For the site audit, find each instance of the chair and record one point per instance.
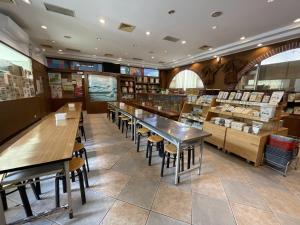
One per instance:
(75, 165)
(79, 150)
(169, 150)
(141, 132)
(154, 139)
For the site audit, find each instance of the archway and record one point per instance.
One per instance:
(186, 79)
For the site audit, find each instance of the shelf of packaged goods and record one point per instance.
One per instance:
(198, 104)
(243, 116)
(232, 102)
(200, 119)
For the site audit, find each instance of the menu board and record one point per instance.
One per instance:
(16, 79)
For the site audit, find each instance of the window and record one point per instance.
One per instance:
(186, 79)
(281, 71)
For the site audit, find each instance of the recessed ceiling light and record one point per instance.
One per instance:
(44, 27)
(96, 48)
(214, 27)
(259, 45)
(183, 42)
(98, 38)
(210, 49)
(216, 13)
(53, 41)
(270, 1)
(215, 56)
(297, 20)
(243, 38)
(152, 57)
(171, 12)
(102, 21)
(148, 33)
(43, 50)
(27, 2)
(60, 50)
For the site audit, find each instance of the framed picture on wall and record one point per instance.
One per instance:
(102, 88)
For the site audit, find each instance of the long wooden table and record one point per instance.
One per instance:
(50, 142)
(175, 132)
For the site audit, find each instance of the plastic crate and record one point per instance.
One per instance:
(278, 152)
(284, 143)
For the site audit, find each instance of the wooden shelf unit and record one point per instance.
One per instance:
(127, 83)
(147, 84)
(247, 145)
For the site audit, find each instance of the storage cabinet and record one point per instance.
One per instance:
(218, 134)
(248, 146)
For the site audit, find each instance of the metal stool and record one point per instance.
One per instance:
(154, 139)
(79, 150)
(169, 150)
(144, 132)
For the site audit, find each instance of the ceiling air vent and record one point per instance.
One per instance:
(137, 59)
(204, 47)
(8, 1)
(72, 50)
(60, 10)
(216, 13)
(170, 38)
(46, 46)
(161, 62)
(108, 55)
(126, 27)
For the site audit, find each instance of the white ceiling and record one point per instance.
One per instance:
(258, 20)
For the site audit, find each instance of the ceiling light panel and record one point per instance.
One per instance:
(126, 27)
(170, 38)
(59, 10)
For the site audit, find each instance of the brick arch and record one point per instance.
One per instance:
(268, 54)
(182, 69)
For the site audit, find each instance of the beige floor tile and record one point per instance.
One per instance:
(111, 183)
(174, 202)
(123, 213)
(247, 215)
(208, 185)
(287, 220)
(105, 161)
(281, 201)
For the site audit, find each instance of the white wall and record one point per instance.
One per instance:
(14, 36)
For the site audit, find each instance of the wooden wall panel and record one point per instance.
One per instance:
(247, 56)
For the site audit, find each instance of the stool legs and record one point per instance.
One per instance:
(162, 165)
(82, 191)
(86, 160)
(168, 155)
(57, 197)
(4, 201)
(25, 201)
(138, 142)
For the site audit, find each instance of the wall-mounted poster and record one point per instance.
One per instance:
(16, 79)
(56, 91)
(102, 88)
(54, 78)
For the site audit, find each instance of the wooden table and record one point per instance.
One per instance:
(50, 142)
(175, 132)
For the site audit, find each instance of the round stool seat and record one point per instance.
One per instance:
(170, 148)
(155, 138)
(121, 116)
(125, 119)
(143, 130)
(130, 123)
(78, 147)
(75, 164)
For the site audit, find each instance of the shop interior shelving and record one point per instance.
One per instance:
(147, 84)
(127, 87)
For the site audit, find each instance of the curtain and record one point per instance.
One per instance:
(186, 79)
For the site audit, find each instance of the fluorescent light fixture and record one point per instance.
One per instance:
(27, 2)
(148, 33)
(243, 38)
(102, 21)
(297, 20)
(44, 27)
(183, 42)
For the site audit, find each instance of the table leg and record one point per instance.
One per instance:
(2, 216)
(133, 129)
(177, 164)
(68, 184)
(201, 155)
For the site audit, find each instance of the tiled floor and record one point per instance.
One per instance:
(125, 190)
